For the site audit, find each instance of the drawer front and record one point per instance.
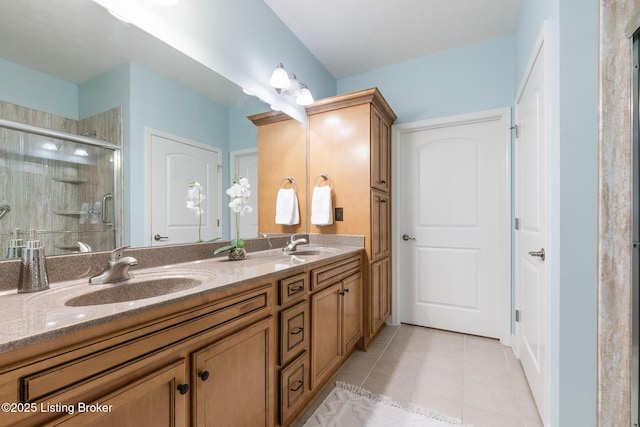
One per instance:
(294, 331)
(294, 380)
(332, 273)
(236, 309)
(293, 288)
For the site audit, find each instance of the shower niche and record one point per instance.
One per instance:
(64, 185)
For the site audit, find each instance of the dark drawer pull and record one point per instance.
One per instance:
(183, 388)
(296, 290)
(204, 375)
(300, 384)
(296, 331)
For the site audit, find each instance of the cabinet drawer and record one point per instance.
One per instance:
(294, 380)
(294, 331)
(331, 273)
(293, 288)
(236, 309)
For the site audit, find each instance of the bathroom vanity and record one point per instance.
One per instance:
(244, 343)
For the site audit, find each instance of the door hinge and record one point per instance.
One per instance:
(517, 315)
(516, 130)
(516, 223)
(218, 223)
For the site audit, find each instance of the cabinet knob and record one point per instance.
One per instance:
(383, 181)
(204, 375)
(183, 388)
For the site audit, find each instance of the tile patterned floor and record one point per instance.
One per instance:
(468, 377)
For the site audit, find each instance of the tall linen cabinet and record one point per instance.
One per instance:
(350, 142)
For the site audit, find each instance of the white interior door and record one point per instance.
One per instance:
(454, 257)
(245, 164)
(531, 195)
(173, 163)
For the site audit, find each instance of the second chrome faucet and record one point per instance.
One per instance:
(293, 243)
(117, 269)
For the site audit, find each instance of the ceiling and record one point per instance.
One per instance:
(354, 36)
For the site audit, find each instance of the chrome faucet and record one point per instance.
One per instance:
(293, 243)
(266, 236)
(117, 270)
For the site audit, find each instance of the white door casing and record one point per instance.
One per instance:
(244, 163)
(531, 209)
(453, 198)
(172, 162)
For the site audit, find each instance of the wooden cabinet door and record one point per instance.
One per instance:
(380, 304)
(380, 225)
(152, 401)
(351, 311)
(326, 347)
(380, 151)
(231, 380)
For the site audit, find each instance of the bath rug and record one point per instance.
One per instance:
(351, 406)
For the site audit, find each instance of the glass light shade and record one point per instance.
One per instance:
(280, 78)
(305, 97)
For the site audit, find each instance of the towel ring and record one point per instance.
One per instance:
(285, 179)
(323, 176)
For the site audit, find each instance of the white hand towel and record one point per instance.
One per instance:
(321, 209)
(287, 207)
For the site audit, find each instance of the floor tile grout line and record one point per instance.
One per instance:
(380, 356)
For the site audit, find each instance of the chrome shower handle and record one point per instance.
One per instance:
(106, 197)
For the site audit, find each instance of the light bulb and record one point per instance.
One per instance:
(280, 78)
(305, 97)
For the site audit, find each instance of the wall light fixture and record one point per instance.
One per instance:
(286, 84)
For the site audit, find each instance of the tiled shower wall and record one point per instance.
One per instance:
(49, 194)
(615, 215)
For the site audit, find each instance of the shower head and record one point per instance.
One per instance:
(4, 209)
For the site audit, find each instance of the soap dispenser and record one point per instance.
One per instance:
(33, 274)
(16, 245)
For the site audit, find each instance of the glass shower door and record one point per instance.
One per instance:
(63, 188)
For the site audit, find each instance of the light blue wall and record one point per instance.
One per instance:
(30, 88)
(578, 137)
(243, 134)
(470, 79)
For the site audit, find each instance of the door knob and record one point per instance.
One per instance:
(539, 254)
(158, 237)
(406, 237)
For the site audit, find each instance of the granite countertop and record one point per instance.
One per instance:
(36, 317)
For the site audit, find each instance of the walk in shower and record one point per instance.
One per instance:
(65, 186)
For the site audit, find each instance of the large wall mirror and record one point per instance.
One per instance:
(71, 59)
